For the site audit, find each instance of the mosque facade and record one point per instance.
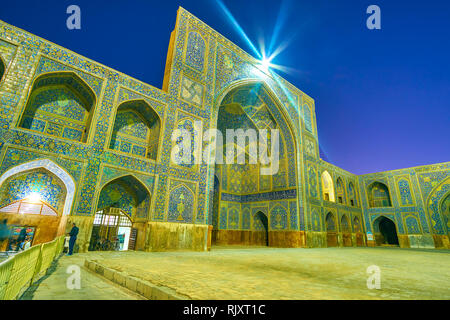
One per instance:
(83, 143)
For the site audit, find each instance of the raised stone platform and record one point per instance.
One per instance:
(140, 286)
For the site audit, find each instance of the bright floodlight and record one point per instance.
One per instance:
(265, 63)
(34, 197)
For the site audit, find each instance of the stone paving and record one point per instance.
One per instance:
(271, 273)
(54, 285)
(259, 273)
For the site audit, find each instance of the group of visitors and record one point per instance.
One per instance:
(23, 241)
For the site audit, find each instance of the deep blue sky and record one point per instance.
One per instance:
(382, 97)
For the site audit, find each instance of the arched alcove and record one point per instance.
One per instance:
(54, 169)
(37, 192)
(346, 231)
(260, 219)
(60, 104)
(37, 195)
(378, 195)
(340, 191)
(216, 206)
(136, 129)
(445, 211)
(128, 194)
(358, 232)
(438, 211)
(330, 223)
(352, 195)
(250, 110)
(2, 69)
(327, 187)
(356, 224)
(385, 231)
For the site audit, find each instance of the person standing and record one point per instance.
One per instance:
(27, 244)
(21, 238)
(4, 234)
(73, 237)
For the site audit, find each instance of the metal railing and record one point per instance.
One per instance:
(21, 270)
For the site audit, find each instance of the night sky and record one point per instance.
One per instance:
(382, 96)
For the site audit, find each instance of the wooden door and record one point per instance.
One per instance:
(132, 241)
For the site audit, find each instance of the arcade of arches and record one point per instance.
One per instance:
(84, 143)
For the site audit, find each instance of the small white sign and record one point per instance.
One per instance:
(369, 236)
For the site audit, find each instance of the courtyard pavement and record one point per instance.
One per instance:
(53, 286)
(273, 273)
(263, 273)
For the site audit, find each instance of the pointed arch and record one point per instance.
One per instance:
(378, 195)
(251, 104)
(215, 204)
(445, 211)
(385, 231)
(60, 104)
(330, 222)
(327, 187)
(356, 224)
(195, 50)
(357, 229)
(434, 203)
(240, 83)
(261, 223)
(127, 193)
(278, 217)
(223, 97)
(352, 194)
(308, 118)
(181, 204)
(136, 129)
(52, 167)
(345, 226)
(2, 68)
(346, 231)
(340, 193)
(330, 225)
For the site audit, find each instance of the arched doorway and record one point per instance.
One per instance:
(36, 196)
(358, 233)
(125, 202)
(261, 224)
(111, 231)
(346, 234)
(385, 231)
(215, 210)
(331, 230)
